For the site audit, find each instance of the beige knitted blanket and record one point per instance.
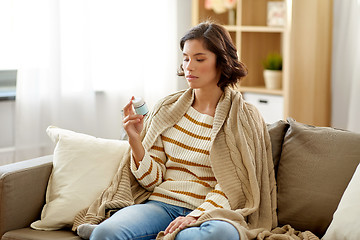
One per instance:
(241, 160)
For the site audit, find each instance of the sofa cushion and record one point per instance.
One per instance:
(346, 217)
(315, 167)
(277, 132)
(83, 167)
(30, 234)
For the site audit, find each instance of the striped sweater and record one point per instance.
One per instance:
(240, 159)
(177, 168)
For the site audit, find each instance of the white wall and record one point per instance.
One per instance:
(184, 24)
(7, 117)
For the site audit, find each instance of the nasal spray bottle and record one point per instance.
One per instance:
(140, 106)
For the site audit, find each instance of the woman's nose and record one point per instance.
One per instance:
(190, 65)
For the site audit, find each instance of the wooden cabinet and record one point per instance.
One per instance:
(304, 43)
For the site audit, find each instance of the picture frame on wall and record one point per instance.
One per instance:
(276, 13)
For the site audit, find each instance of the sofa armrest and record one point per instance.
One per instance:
(22, 192)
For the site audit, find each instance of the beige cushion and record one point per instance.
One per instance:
(315, 167)
(345, 223)
(83, 167)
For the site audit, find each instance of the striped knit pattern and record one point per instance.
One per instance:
(184, 151)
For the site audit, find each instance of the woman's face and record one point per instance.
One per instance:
(199, 65)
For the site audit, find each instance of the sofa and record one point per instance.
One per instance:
(313, 167)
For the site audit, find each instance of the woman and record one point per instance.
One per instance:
(188, 157)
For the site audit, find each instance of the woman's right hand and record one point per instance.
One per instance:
(133, 123)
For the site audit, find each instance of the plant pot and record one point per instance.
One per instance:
(273, 79)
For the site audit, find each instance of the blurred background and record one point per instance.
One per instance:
(76, 63)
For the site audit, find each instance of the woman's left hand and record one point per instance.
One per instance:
(179, 222)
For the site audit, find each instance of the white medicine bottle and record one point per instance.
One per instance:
(140, 106)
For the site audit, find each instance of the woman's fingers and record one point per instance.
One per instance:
(133, 119)
(179, 222)
(133, 125)
(172, 227)
(128, 109)
(187, 222)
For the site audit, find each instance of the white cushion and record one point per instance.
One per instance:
(346, 223)
(83, 166)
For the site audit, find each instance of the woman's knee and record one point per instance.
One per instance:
(104, 232)
(210, 230)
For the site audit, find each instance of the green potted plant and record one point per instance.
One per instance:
(273, 71)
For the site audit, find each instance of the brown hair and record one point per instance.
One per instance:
(217, 40)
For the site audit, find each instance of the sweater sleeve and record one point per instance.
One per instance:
(214, 199)
(152, 168)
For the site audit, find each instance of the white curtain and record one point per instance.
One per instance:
(346, 65)
(80, 61)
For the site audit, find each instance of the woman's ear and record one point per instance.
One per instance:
(180, 71)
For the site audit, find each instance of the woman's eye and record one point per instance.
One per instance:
(185, 59)
(200, 60)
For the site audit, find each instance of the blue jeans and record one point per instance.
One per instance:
(145, 221)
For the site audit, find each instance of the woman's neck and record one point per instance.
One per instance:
(205, 101)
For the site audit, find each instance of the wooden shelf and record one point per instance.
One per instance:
(304, 43)
(261, 90)
(264, 29)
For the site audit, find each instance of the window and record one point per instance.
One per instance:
(8, 84)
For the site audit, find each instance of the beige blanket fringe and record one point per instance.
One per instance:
(242, 163)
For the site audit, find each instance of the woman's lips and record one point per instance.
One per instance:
(191, 77)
